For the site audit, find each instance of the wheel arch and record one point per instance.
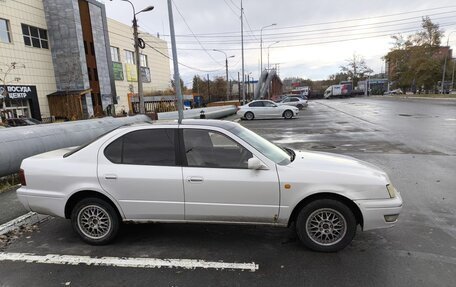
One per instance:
(77, 196)
(249, 112)
(287, 110)
(327, 195)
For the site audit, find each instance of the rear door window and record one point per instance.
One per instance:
(144, 147)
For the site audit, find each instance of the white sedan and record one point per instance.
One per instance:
(266, 109)
(207, 171)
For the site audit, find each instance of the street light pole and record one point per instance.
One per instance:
(261, 44)
(142, 109)
(276, 42)
(444, 64)
(226, 66)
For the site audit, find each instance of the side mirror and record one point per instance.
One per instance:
(254, 163)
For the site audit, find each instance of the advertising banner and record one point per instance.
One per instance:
(132, 75)
(118, 71)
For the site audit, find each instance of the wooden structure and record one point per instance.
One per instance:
(67, 104)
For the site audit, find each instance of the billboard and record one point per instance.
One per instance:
(118, 71)
(132, 75)
(145, 74)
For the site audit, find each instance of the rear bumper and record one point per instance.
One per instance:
(374, 211)
(41, 204)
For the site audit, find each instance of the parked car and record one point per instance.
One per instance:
(266, 109)
(207, 171)
(18, 122)
(298, 102)
(394, 92)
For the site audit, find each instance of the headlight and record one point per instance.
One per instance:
(391, 190)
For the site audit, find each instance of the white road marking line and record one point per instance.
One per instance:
(237, 120)
(125, 261)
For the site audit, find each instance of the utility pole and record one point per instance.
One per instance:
(208, 89)
(239, 87)
(452, 77)
(138, 58)
(242, 47)
(226, 66)
(142, 109)
(444, 65)
(180, 104)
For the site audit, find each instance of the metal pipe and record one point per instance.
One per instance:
(19, 143)
(180, 103)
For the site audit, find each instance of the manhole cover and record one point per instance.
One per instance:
(405, 115)
(323, 146)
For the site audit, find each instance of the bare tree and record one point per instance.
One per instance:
(356, 68)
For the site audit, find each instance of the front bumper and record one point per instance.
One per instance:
(375, 210)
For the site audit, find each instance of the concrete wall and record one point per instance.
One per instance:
(39, 70)
(121, 36)
(67, 45)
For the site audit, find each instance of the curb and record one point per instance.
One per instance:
(29, 218)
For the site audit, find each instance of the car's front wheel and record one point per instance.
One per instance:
(288, 114)
(326, 225)
(300, 106)
(95, 221)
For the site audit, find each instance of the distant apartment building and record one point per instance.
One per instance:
(71, 61)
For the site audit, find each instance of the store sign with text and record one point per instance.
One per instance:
(17, 92)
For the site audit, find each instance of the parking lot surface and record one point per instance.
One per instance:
(412, 140)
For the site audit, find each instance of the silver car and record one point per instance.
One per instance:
(293, 101)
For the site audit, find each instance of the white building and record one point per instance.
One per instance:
(71, 61)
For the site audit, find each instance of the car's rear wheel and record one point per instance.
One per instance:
(249, 116)
(288, 114)
(326, 225)
(95, 221)
(300, 106)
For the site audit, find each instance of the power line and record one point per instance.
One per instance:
(294, 39)
(248, 25)
(232, 10)
(185, 21)
(333, 22)
(180, 63)
(324, 42)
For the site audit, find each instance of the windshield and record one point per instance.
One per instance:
(265, 147)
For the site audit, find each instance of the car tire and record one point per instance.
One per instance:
(249, 116)
(318, 221)
(86, 217)
(288, 114)
(300, 107)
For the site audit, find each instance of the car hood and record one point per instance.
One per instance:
(336, 168)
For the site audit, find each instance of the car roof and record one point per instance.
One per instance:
(227, 125)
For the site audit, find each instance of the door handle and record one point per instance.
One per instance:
(110, 176)
(195, 179)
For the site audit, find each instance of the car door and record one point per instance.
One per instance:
(272, 110)
(142, 171)
(217, 183)
(257, 109)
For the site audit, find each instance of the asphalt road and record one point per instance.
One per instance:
(413, 140)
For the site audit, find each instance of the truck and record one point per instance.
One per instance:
(341, 90)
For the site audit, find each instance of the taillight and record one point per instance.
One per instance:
(22, 177)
